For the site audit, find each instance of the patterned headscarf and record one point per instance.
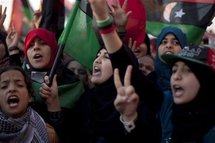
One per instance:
(46, 36)
(28, 128)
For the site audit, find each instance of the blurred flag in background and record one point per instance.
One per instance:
(192, 16)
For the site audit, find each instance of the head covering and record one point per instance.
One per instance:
(180, 36)
(193, 55)
(46, 36)
(192, 120)
(28, 128)
(163, 71)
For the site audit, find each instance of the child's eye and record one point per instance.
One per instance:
(42, 42)
(3, 86)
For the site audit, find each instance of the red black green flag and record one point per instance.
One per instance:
(192, 16)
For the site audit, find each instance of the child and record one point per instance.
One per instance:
(18, 121)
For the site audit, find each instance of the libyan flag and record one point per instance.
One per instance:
(79, 37)
(192, 16)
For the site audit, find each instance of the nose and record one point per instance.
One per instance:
(176, 75)
(98, 59)
(169, 45)
(36, 46)
(12, 87)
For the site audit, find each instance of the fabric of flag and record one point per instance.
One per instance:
(68, 93)
(79, 37)
(53, 16)
(17, 16)
(191, 16)
(21, 17)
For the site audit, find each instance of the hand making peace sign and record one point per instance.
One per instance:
(127, 99)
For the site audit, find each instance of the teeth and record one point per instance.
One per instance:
(168, 53)
(96, 68)
(13, 99)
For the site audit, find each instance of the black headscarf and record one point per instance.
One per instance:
(192, 121)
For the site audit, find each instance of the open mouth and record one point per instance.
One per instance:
(169, 52)
(37, 56)
(178, 90)
(96, 70)
(13, 100)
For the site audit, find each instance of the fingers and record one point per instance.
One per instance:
(128, 13)
(45, 89)
(5, 9)
(130, 42)
(117, 80)
(2, 15)
(124, 4)
(46, 80)
(54, 81)
(117, 3)
(127, 78)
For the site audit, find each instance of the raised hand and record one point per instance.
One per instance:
(120, 15)
(127, 100)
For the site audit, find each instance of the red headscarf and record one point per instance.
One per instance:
(46, 36)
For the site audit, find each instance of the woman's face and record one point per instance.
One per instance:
(169, 45)
(140, 51)
(146, 64)
(14, 95)
(102, 68)
(39, 54)
(184, 84)
(79, 70)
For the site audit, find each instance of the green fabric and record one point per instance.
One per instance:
(68, 93)
(194, 34)
(79, 38)
(28, 13)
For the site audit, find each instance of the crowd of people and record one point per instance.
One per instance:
(132, 95)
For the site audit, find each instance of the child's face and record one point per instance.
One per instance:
(14, 95)
(102, 68)
(39, 54)
(184, 84)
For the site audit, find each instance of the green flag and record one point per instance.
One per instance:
(68, 93)
(79, 38)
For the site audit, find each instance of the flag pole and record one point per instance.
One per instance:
(63, 38)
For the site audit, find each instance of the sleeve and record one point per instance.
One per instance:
(147, 126)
